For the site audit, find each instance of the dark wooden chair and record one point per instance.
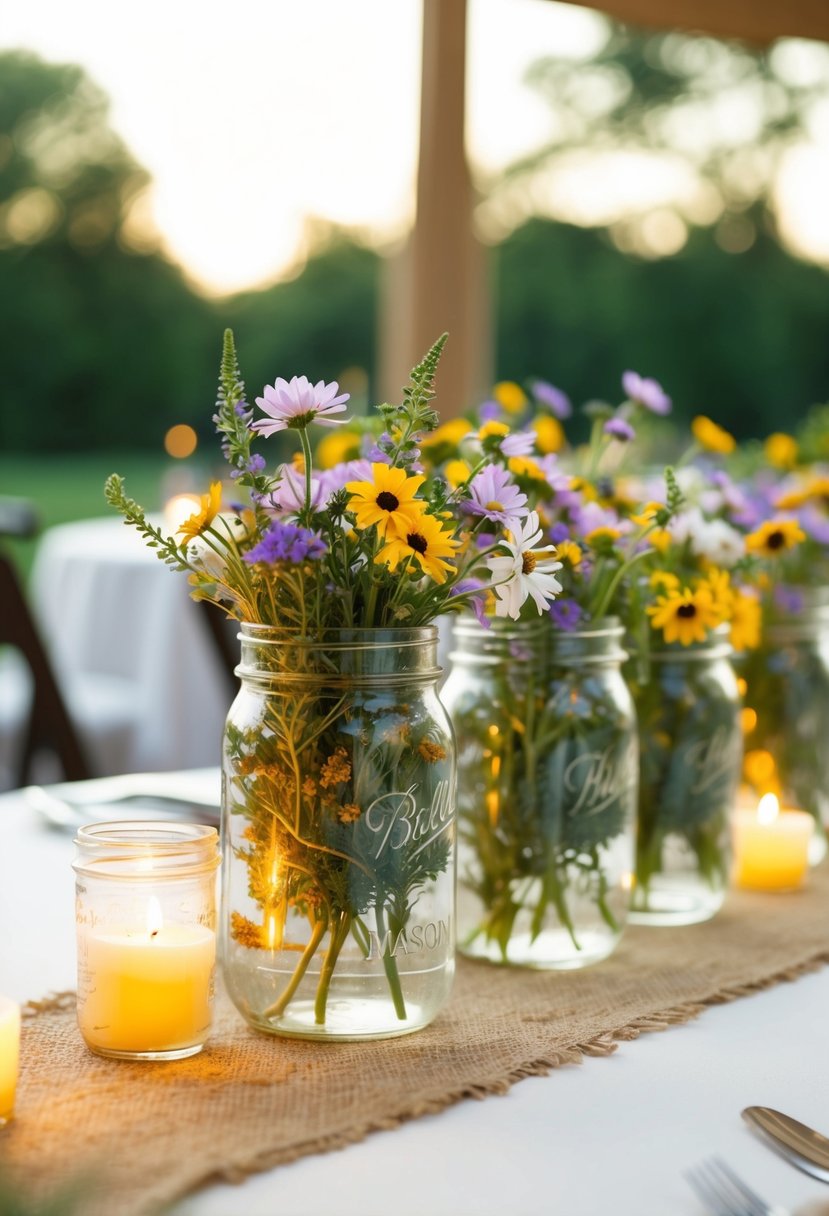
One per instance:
(49, 723)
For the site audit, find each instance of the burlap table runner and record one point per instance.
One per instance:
(142, 1135)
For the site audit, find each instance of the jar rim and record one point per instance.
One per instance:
(345, 638)
(183, 848)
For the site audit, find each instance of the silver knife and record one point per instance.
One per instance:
(800, 1145)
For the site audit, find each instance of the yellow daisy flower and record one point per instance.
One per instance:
(663, 580)
(775, 536)
(780, 450)
(721, 591)
(549, 434)
(569, 552)
(793, 500)
(456, 473)
(451, 432)
(746, 616)
(500, 429)
(646, 514)
(525, 466)
(602, 536)
(421, 539)
(510, 396)
(388, 498)
(685, 615)
(587, 490)
(337, 447)
(203, 518)
(661, 539)
(712, 437)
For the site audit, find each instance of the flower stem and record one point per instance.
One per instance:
(278, 1007)
(339, 932)
(390, 966)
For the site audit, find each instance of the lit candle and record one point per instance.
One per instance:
(9, 1056)
(146, 991)
(771, 849)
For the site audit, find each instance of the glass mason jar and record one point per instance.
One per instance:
(547, 758)
(145, 911)
(787, 710)
(339, 834)
(690, 759)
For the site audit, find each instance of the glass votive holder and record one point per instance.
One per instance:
(9, 1056)
(145, 912)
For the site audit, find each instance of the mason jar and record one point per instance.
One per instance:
(145, 913)
(339, 834)
(688, 705)
(787, 710)
(547, 758)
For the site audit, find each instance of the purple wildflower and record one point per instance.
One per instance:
(566, 614)
(788, 599)
(484, 539)
(815, 524)
(477, 602)
(559, 532)
(241, 408)
(289, 495)
(493, 494)
(286, 543)
(489, 411)
(647, 393)
(618, 428)
(556, 401)
(297, 404)
(519, 443)
(256, 464)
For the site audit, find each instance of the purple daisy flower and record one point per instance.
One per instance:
(286, 543)
(556, 401)
(489, 411)
(296, 404)
(566, 614)
(647, 393)
(493, 494)
(519, 443)
(289, 495)
(477, 602)
(617, 428)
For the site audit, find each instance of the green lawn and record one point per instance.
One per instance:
(65, 488)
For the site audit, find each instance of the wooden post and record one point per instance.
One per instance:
(439, 282)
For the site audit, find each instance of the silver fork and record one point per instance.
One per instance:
(725, 1194)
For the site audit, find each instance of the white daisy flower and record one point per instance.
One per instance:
(527, 572)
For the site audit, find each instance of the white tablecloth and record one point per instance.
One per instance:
(608, 1138)
(122, 628)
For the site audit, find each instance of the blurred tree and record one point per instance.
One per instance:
(739, 336)
(714, 118)
(104, 341)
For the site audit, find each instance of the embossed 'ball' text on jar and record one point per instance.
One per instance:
(339, 834)
(688, 704)
(547, 762)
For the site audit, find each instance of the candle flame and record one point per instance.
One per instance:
(768, 809)
(155, 918)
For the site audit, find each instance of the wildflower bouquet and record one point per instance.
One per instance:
(786, 672)
(339, 773)
(545, 725)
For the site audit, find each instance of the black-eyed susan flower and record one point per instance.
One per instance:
(685, 615)
(389, 498)
(207, 512)
(421, 540)
(774, 537)
(712, 437)
(746, 617)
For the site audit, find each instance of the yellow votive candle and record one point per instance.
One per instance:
(771, 849)
(9, 1056)
(146, 992)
